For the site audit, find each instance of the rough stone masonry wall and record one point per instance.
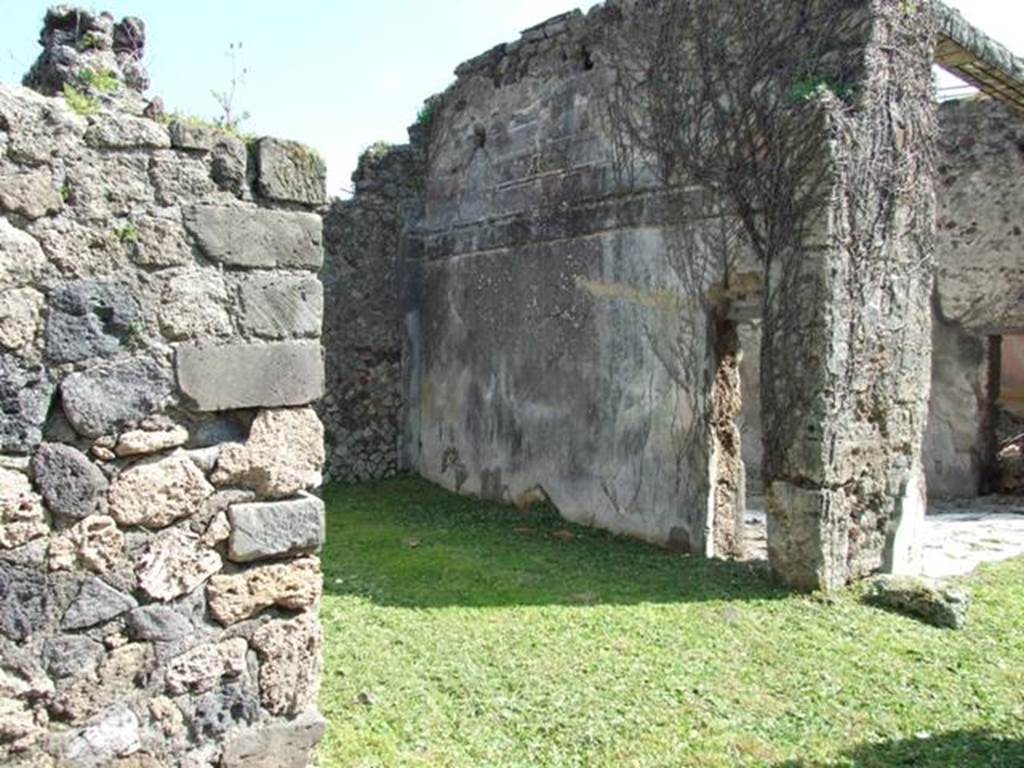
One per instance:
(845, 399)
(362, 236)
(979, 287)
(979, 291)
(552, 348)
(159, 347)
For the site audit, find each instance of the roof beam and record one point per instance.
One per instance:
(978, 59)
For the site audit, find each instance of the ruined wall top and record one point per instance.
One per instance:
(90, 53)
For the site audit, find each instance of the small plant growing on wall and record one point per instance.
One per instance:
(128, 233)
(230, 118)
(100, 80)
(82, 103)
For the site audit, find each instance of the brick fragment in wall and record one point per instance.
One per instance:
(266, 530)
(257, 238)
(289, 172)
(233, 376)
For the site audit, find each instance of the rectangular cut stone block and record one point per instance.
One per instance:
(267, 530)
(257, 238)
(276, 306)
(280, 745)
(226, 377)
(289, 172)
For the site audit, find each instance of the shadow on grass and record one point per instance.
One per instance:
(958, 749)
(405, 542)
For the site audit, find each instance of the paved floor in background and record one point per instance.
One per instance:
(960, 534)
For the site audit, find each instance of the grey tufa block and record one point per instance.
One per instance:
(257, 238)
(275, 529)
(97, 602)
(232, 376)
(290, 172)
(279, 745)
(158, 623)
(276, 306)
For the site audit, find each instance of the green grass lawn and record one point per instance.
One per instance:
(461, 633)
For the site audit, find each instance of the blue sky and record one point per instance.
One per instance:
(336, 74)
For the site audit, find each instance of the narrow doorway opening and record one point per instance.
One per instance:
(738, 494)
(1009, 415)
(755, 512)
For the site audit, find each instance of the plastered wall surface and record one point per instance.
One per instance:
(553, 349)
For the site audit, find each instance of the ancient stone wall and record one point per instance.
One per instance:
(362, 236)
(979, 288)
(980, 278)
(160, 347)
(553, 348)
(980, 258)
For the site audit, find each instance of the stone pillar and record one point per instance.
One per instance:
(159, 352)
(847, 328)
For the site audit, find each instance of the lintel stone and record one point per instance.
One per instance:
(232, 376)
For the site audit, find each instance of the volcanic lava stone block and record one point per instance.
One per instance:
(89, 319)
(70, 484)
(23, 601)
(104, 399)
(25, 394)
